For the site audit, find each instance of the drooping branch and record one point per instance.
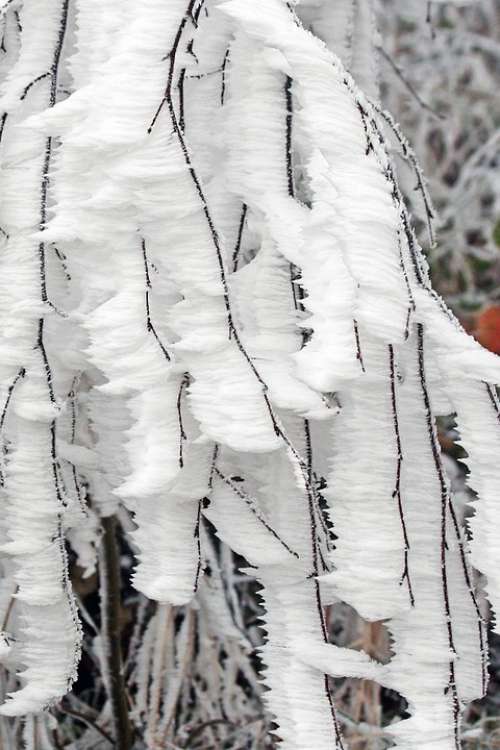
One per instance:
(149, 324)
(254, 507)
(397, 490)
(433, 440)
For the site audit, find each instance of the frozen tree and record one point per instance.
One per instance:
(218, 330)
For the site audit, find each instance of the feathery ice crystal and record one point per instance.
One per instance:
(213, 305)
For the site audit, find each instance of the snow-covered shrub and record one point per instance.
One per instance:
(218, 327)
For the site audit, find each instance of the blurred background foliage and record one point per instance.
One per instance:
(440, 77)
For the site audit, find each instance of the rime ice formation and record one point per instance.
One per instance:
(207, 269)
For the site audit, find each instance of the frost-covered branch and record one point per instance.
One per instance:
(220, 329)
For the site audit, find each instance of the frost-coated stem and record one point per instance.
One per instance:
(109, 577)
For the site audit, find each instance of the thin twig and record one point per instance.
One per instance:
(253, 506)
(86, 720)
(431, 429)
(149, 323)
(397, 490)
(408, 84)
